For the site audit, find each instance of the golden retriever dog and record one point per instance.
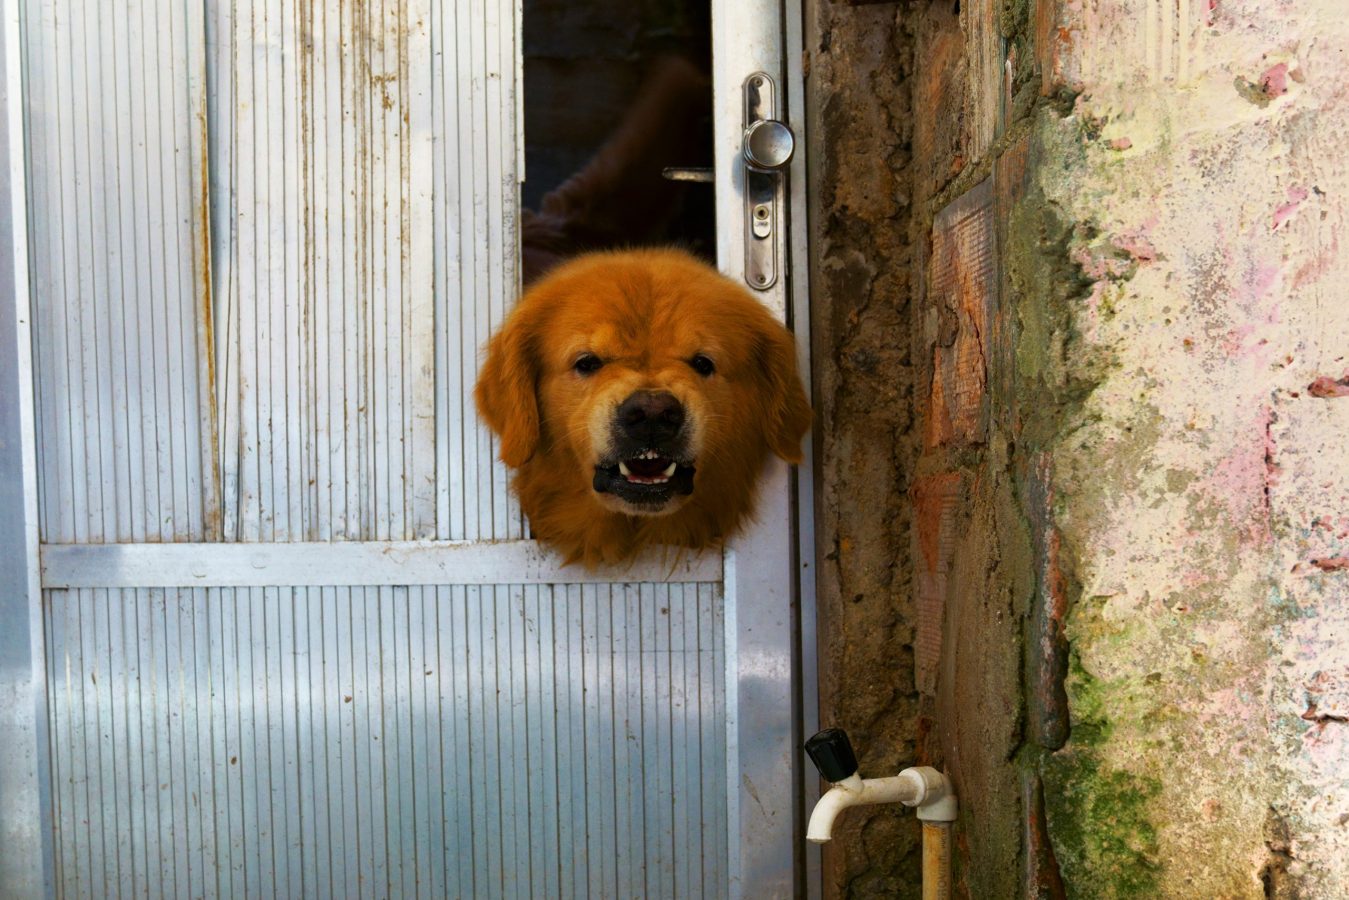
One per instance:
(638, 395)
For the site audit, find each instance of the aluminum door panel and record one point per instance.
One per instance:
(269, 243)
(399, 741)
(365, 167)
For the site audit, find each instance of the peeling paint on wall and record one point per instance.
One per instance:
(1210, 636)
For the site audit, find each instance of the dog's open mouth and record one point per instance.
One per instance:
(648, 478)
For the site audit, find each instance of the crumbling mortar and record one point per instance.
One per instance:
(1013, 17)
(971, 175)
(1274, 874)
(861, 298)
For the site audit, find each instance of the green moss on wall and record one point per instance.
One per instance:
(1100, 817)
(1100, 820)
(1048, 288)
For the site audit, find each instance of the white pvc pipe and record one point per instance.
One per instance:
(855, 791)
(920, 786)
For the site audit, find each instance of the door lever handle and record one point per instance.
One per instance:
(682, 173)
(769, 145)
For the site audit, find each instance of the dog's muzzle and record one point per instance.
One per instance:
(650, 461)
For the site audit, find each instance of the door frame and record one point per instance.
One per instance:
(772, 683)
(26, 865)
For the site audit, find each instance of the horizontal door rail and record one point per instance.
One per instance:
(353, 563)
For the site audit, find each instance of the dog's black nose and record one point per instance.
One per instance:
(650, 417)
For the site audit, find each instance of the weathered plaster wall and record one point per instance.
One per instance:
(1201, 489)
(1109, 549)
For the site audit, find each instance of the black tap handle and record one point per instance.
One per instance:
(832, 754)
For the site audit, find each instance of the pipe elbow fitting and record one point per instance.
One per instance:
(935, 795)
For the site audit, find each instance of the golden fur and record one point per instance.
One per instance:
(645, 314)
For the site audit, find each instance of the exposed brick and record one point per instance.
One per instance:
(1326, 387)
(1051, 41)
(936, 499)
(939, 88)
(1331, 563)
(962, 285)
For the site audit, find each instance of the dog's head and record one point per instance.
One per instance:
(639, 381)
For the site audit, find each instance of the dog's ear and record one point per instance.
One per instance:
(506, 387)
(788, 411)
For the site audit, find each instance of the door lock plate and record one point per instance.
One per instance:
(768, 148)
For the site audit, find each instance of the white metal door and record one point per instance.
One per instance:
(289, 638)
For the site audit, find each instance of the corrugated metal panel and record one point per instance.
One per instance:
(365, 174)
(116, 167)
(322, 137)
(472, 742)
(476, 109)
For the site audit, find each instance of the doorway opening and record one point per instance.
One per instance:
(615, 93)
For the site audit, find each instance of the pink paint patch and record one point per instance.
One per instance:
(1195, 578)
(1236, 717)
(1321, 263)
(1285, 212)
(1240, 480)
(1275, 81)
(1138, 246)
(1121, 143)
(1236, 339)
(1338, 527)
(1327, 388)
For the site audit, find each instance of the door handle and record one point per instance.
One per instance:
(769, 145)
(767, 149)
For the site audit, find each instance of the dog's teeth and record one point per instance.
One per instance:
(623, 468)
(669, 470)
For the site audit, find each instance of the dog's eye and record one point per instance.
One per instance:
(702, 365)
(588, 364)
